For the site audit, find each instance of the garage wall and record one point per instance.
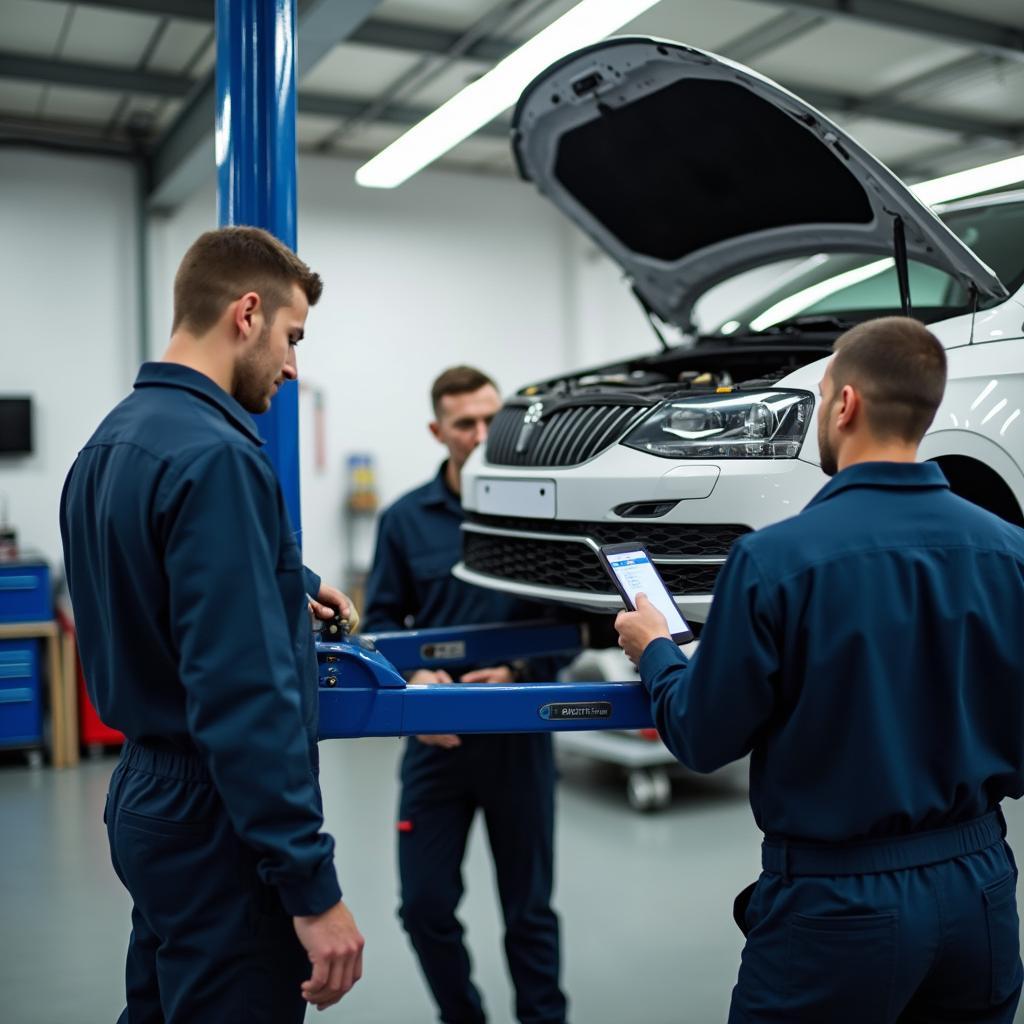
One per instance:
(69, 339)
(449, 268)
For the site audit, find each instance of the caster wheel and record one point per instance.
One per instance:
(640, 790)
(662, 788)
(34, 758)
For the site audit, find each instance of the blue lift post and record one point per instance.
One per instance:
(362, 692)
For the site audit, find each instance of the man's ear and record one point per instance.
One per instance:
(848, 407)
(247, 315)
(435, 429)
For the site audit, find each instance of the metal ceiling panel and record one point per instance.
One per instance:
(77, 104)
(177, 46)
(1006, 12)
(855, 58)
(310, 129)
(117, 38)
(710, 26)
(169, 110)
(454, 15)
(204, 65)
(486, 154)
(447, 82)
(998, 96)
(32, 26)
(352, 69)
(21, 99)
(893, 143)
(368, 138)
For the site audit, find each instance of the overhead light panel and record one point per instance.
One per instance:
(971, 182)
(483, 100)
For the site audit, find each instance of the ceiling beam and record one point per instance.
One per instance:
(93, 76)
(886, 110)
(194, 10)
(959, 29)
(764, 38)
(65, 135)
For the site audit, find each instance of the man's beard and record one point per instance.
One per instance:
(251, 387)
(826, 453)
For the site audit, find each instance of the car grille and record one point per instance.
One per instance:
(661, 539)
(573, 565)
(564, 437)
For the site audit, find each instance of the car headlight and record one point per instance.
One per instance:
(735, 425)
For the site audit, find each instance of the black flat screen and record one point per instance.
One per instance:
(15, 426)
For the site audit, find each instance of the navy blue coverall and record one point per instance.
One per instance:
(510, 777)
(869, 653)
(193, 626)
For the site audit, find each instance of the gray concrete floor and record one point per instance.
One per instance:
(645, 900)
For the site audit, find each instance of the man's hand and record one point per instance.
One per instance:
(335, 950)
(445, 740)
(498, 674)
(637, 629)
(331, 601)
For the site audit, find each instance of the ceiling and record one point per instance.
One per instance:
(929, 86)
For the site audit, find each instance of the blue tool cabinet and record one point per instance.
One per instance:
(25, 597)
(21, 707)
(25, 591)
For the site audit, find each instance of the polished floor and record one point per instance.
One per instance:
(645, 900)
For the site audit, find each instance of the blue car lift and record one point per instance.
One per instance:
(362, 691)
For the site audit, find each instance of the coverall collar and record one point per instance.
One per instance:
(438, 493)
(174, 375)
(886, 475)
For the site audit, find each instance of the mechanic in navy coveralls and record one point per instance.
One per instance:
(446, 779)
(868, 654)
(190, 602)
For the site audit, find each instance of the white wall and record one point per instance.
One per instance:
(69, 338)
(449, 268)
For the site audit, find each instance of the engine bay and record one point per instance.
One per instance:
(705, 366)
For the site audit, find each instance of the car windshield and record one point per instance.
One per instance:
(838, 287)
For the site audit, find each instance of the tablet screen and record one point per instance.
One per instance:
(637, 575)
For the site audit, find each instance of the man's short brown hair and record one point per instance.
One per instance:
(458, 380)
(899, 368)
(222, 265)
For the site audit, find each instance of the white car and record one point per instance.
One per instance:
(690, 170)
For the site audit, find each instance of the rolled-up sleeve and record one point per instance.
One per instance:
(240, 667)
(709, 709)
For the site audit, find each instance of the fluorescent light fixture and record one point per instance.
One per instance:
(483, 100)
(971, 182)
(791, 305)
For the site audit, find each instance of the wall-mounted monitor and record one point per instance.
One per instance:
(15, 425)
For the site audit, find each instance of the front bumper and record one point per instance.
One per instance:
(554, 559)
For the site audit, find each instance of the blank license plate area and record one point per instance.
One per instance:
(534, 499)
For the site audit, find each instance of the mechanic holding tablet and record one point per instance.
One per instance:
(868, 653)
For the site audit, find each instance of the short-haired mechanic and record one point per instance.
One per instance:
(868, 654)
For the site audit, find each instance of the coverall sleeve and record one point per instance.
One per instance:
(311, 581)
(710, 709)
(390, 594)
(240, 667)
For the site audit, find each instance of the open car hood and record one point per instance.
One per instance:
(687, 168)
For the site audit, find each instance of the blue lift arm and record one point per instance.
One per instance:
(362, 692)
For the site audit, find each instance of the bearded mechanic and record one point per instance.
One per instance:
(190, 602)
(867, 654)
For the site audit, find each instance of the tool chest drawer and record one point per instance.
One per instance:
(25, 592)
(21, 706)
